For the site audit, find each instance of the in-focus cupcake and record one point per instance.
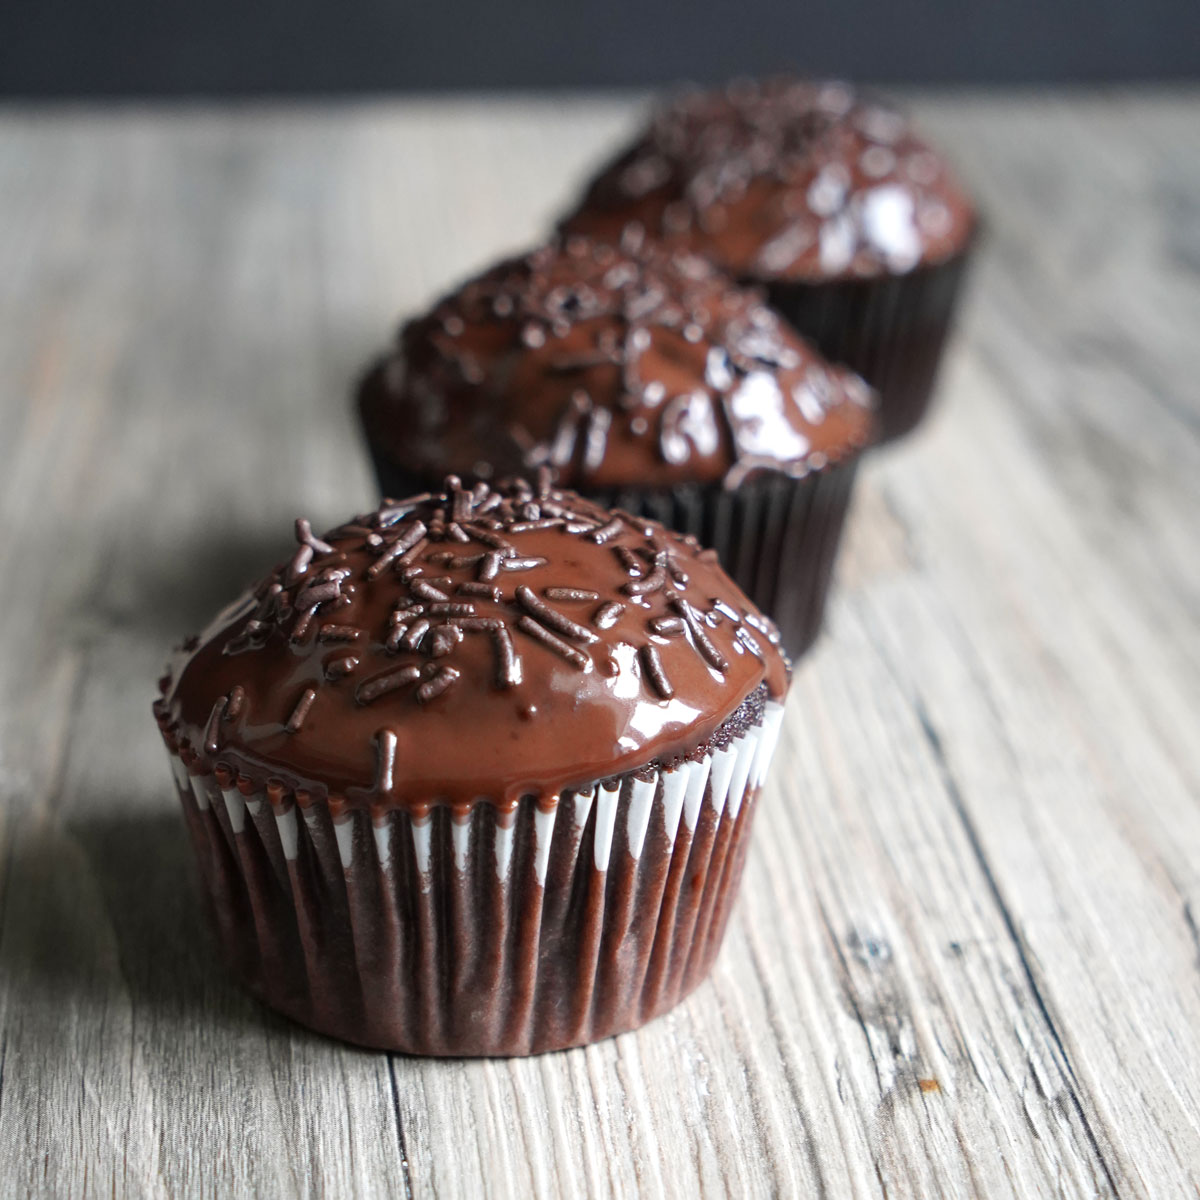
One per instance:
(474, 773)
(855, 225)
(647, 381)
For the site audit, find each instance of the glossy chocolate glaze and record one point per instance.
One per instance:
(615, 367)
(477, 643)
(783, 179)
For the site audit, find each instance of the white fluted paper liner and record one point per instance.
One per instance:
(487, 932)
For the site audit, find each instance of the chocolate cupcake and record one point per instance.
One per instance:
(473, 774)
(854, 225)
(647, 381)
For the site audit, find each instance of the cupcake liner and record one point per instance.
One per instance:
(776, 536)
(890, 330)
(488, 932)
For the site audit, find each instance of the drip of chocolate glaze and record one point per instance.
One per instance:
(549, 677)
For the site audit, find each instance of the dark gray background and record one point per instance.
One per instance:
(88, 48)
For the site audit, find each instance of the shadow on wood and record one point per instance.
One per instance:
(168, 596)
(104, 911)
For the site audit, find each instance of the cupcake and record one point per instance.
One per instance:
(646, 381)
(473, 774)
(854, 225)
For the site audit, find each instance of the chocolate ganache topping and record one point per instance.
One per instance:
(784, 179)
(477, 643)
(615, 367)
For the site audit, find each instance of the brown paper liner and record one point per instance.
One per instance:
(892, 331)
(493, 934)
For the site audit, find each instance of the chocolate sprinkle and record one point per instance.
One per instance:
(667, 626)
(340, 667)
(748, 640)
(629, 561)
(408, 540)
(477, 624)
(391, 512)
(708, 651)
(455, 561)
(460, 506)
(650, 583)
(237, 699)
(300, 628)
(607, 532)
(305, 535)
(552, 641)
(385, 742)
(508, 666)
(432, 688)
(451, 608)
(214, 724)
(521, 564)
(655, 673)
(339, 633)
(443, 639)
(301, 710)
(487, 590)
(764, 626)
(553, 618)
(426, 591)
(365, 693)
(607, 615)
(299, 563)
(317, 594)
(410, 613)
(488, 538)
(416, 631)
(565, 593)
(725, 610)
(530, 526)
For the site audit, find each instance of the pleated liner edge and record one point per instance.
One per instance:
(490, 935)
(892, 331)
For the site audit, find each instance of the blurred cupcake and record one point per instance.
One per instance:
(855, 226)
(648, 382)
(474, 773)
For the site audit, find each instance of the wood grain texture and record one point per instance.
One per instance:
(966, 961)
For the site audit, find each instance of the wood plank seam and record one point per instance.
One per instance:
(780, 1037)
(954, 793)
(408, 1190)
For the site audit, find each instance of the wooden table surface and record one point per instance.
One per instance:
(966, 960)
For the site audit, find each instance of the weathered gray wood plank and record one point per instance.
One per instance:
(966, 959)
